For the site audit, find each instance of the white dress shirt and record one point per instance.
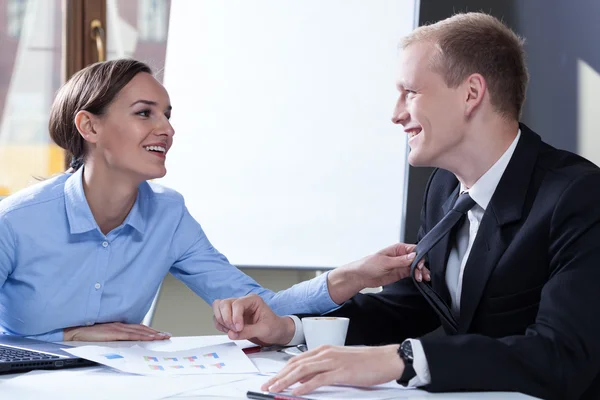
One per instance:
(482, 192)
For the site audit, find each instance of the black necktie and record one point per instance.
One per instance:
(463, 204)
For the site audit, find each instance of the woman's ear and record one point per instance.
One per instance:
(84, 121)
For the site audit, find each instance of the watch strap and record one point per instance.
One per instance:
(405, 353)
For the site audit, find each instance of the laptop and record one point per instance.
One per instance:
(19, 354)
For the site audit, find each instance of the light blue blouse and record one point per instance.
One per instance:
(57, 269)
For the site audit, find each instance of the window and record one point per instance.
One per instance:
(153, 20)
(30, 74)
(15, 12)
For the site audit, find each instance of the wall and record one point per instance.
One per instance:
(564, 63)
(180, 312)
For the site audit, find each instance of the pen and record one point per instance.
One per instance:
(272, 396)
(251, 350)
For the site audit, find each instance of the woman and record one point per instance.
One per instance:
(82, 254)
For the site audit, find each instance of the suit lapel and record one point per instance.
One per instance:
(492, 237)
(485, 253)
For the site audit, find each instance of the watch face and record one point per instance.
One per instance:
(406, 349)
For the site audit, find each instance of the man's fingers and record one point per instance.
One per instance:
(306, 357)
(308, 378)
(300, 372)
(316, 381)
(265, 386)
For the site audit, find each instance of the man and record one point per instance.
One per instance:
(519, 273)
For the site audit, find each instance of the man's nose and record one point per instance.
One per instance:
(400, 115)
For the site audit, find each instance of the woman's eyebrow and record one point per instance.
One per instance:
(150, 103)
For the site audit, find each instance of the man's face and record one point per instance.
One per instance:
(431, 113)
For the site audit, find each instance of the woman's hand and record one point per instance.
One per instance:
(249, 317)
(113, 331)
(382, 268)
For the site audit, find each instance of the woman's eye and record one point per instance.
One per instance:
(144, 113)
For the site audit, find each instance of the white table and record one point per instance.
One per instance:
(191, 342)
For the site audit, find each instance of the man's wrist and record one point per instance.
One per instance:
(343, 283)
(405, 353)
(396, 364)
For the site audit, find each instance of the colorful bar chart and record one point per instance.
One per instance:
(112, 356)
(226, 358)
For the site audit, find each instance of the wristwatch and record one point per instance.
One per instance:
(406, 354)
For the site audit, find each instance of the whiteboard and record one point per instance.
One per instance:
(284, 147)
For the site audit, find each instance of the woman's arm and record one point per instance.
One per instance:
(210, 275)
(7, 250)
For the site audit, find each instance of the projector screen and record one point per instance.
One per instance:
(284, 149)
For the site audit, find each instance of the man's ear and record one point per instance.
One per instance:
(476, 87)
(85, 121)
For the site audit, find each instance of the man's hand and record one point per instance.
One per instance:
(329, 365)
(382, 268)
(113, 331)
(249, 317)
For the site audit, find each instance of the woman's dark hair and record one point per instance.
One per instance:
(92, 89)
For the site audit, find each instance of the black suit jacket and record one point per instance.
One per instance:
(530, 303)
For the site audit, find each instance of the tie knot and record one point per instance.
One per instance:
(464, 203)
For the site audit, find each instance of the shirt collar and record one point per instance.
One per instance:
(136, 219)
(79, 214)
(483, 190)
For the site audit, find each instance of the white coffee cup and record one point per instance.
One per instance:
(325, 330)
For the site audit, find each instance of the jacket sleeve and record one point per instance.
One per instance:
(558, 356)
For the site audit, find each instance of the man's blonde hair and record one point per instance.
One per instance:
(478, 43)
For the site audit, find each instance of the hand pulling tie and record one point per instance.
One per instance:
(463, 204)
